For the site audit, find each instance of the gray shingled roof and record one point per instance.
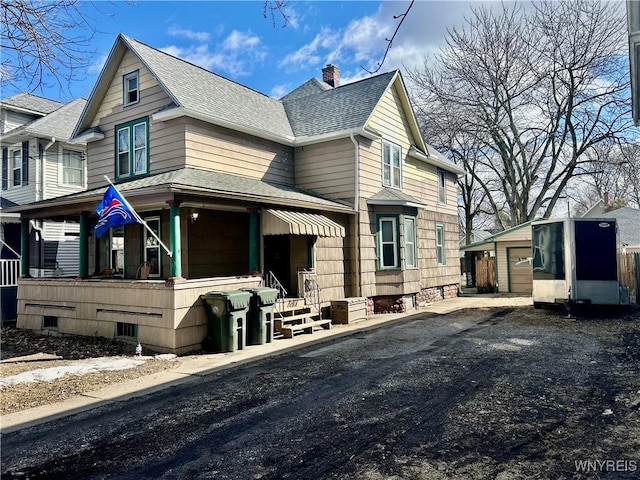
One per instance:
(34, 103)
(204, 92)
(60, 123)
(342, 108)
(214, 184)
(310, 87)
(393, 195)
(628, 220)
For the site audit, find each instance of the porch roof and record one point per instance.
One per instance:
(187, 183)
(283, 222)
(393, 196)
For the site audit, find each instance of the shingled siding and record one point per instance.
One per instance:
(224, 150)
(327, 169)
(408, 281)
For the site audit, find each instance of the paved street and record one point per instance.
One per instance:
(486, 393)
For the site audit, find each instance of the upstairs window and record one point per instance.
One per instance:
(132, 148)
(391, 165)
(442, 187)
(16, 156)
(131, 93)
(72, 167)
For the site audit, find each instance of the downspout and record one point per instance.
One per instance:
(43, 167)
(356, 222)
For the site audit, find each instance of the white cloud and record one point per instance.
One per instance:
(175, 31)
(279, 91)
(308, 55)
(233, 56)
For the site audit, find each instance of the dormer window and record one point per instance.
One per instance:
(131, 88)
(391, 165)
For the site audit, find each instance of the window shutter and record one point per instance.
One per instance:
(25, 163)
(5, 168)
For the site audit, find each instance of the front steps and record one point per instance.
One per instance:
(292, 315)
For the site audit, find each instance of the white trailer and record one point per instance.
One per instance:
(576, 259)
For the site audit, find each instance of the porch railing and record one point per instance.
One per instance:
(9, 272)
(309, 289)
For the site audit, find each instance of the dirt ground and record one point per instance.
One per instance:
(17, 343)
(502, 394)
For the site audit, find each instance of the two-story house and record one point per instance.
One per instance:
(39, 162)
(334, 179)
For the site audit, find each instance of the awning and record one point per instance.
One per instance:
(283, 222)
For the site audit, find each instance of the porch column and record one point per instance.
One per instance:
(84, 245)
(254, 240)
(24, 247)
(174, 238)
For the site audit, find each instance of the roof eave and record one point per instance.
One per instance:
(301, 141)
(435, 159)
(88, 137)
(400, 203)
(178, 112)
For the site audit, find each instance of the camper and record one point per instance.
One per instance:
(575, 261)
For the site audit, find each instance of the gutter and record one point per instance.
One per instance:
(43, 168)
(289, 140)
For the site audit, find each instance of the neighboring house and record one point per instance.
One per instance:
(39, 162)
(628, 221)
(334, 180)
(512, 251)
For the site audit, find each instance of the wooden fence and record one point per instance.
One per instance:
(630, 273)
(486, 274)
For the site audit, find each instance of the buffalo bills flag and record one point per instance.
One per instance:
(114, 211)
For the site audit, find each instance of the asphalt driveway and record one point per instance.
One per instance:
(486, 393)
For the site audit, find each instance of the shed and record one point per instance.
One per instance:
(512, 250)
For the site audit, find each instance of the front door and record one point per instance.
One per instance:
(277, 259)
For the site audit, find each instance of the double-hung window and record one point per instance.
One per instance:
(442, 186)
(410, 247)
(132, 148)
(152, 246)
(388, 242)
(131, 89)
(72, 171)
(391, 165)
(116, 250)
(440, 252)
(16, 164)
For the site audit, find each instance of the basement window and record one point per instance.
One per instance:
(126, 330)
(49, 321)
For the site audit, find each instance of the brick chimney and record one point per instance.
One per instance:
(331, 75)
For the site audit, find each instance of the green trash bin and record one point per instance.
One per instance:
(260, 317)
(227, 313)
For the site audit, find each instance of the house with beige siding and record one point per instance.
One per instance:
(332, 183)
(38, 162)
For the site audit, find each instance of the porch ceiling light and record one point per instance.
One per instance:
(194, 216)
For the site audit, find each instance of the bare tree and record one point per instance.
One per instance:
(45, 43)
(536, 90)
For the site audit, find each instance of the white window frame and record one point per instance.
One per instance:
(393, 242)
(152, 244)
(410, 243)
(441, 254)
(13, 157)
(126, 90)
(442, 187)
(67, 168)
(116, 248)
(388, 168)
(137, 171)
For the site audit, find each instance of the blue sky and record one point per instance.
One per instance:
(234, 40)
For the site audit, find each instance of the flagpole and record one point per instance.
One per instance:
(169, 252)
